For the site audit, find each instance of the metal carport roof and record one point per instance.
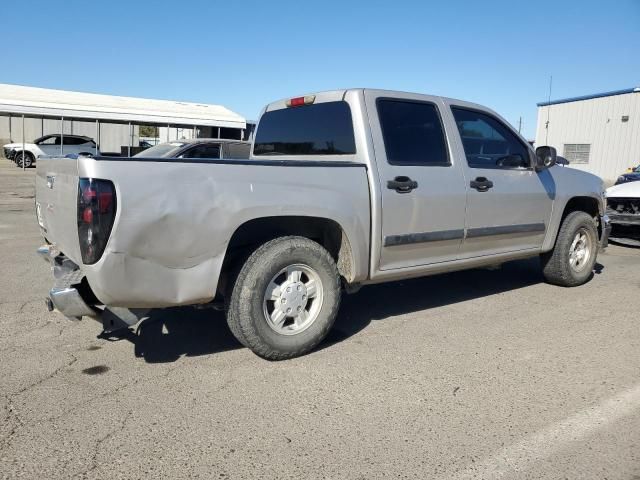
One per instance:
(32, 101)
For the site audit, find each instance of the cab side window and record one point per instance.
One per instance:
(412, 133)
(488, 143)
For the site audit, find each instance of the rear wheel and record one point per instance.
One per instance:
(573, 257)
(24, 157)
(285, 298)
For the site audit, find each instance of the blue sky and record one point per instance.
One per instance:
(245, 54)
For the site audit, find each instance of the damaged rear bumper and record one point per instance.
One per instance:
(64, 295)
(69, 302)
(72, 296)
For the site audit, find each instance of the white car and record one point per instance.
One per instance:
(623, 208)
(57, 144)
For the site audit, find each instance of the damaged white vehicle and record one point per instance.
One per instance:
(623, 209)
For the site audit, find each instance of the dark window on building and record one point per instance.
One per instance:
(318, 129)
(231, 133)
(413, 133)
(488, 143)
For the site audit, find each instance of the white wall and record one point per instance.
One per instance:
(615, 145)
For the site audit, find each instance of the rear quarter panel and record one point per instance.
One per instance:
(174, 221)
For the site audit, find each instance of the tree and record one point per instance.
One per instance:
(148, 131)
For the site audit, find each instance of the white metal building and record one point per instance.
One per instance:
(598, 133)
(110, 120)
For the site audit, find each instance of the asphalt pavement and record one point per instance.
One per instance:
(478, 374)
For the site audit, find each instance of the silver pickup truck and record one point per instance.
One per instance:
(342, 189)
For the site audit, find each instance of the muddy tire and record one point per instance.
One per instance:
(573, 257)
(285, 298)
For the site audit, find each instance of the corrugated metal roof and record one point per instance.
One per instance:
(17, 99)
(589, 97)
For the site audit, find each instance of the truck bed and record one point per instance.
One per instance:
(175, 217)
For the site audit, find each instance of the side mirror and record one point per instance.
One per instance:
(545, 157)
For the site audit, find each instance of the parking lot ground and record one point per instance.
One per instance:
(478, 374)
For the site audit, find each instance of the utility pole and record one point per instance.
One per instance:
(546, 125)
(520, 125)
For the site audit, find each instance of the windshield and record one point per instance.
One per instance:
(162, 150)
(38, 140)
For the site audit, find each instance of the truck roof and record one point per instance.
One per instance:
(339, 94)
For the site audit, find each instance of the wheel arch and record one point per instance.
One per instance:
(578, 203)
(255, 232)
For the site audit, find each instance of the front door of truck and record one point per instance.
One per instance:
(422, 186)
(508, 202)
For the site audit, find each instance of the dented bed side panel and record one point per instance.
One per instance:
(174, 221)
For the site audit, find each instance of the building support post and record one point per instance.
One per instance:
(61, 135)
(23, 147)
(130, 141)
(97, 139)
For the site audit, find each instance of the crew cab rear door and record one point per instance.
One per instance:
(422, 186)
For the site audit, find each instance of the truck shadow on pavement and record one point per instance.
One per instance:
(169, 334)
(379, 302)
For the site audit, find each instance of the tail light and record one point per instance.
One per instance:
(96, 213)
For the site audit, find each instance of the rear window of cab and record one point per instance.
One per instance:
(317, 129)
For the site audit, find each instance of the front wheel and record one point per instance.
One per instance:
(573, 257)
(24, 158)
(285, 298)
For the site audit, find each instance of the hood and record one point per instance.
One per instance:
(584, 181)
(624, 190)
